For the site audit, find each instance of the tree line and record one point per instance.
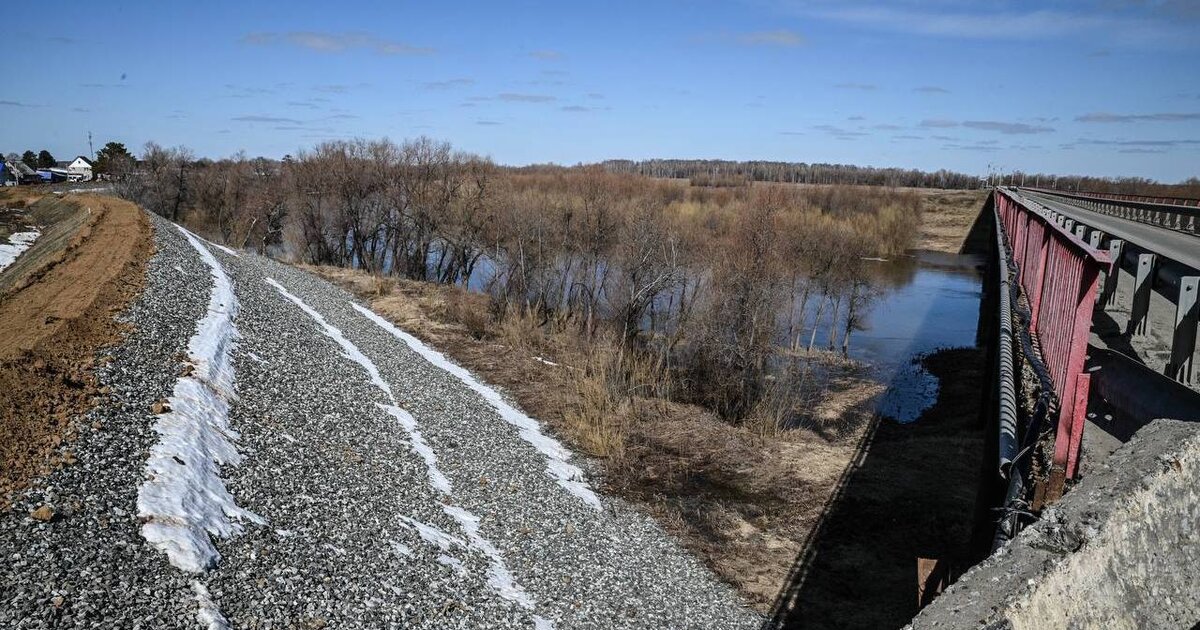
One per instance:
(730, 290)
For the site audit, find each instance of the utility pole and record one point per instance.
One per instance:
(91, 149)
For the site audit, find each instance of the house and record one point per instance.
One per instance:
(80, 169)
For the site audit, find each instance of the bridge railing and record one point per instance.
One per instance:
(1059, 274)
(1173, 213)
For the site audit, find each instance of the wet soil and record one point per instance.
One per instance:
(58, 304)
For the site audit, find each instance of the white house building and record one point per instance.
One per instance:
(80, 169)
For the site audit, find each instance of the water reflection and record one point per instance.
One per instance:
(930, 301)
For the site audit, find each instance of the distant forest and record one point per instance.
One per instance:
(733, 173)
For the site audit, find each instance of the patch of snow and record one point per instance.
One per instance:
(499, 577)
(255, 357)
(288, 437)
(436, 478)
(433, 534)
(400, 548)
(569, 476)
(285, 533)
(223, 248)
(209, 616)
(182, 504)
(453, 563)
(177, 268)
(541, 623)
(17, 242)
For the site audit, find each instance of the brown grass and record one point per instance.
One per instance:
(947, 217)
(742, 497)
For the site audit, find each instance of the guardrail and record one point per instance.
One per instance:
(1173, 213)
(1059, 274)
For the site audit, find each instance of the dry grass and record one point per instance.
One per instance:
(742, 497)
(947, 217)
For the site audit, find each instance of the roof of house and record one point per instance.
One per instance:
(80, 157)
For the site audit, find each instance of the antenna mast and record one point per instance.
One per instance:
(91, 150)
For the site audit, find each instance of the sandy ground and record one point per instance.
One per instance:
(947, 217)
(57, 307)
(743, 503)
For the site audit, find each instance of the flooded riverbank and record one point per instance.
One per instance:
(929, 301)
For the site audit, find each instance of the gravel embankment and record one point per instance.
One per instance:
(339, 486)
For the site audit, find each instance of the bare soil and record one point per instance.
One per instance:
(57, 307)
(744, 502)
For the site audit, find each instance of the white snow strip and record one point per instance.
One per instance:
(209, 616)
(436, 478)
(223, 248)
(349, 350)
(499, 577)
(433, 534)
(400, 548)
(541, 623)
(565, 473)
(183, 499)
(17, 242)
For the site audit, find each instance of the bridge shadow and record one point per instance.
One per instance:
(910, 493)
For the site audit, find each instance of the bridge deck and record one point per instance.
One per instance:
(1182, 248)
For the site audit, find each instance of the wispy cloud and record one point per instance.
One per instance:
(1008, 128)
(488, 123)
(1105, 117)
(931, 89)
(14, 104)
(576, 108)
(1159, 144)
(325, 42)
(838, 132)
(791, 133)
(513, 97)
(277, 120)
(448, 84)
(938, 123)
(782, 38)
(547, 55)
(967, 21)
(866, 87)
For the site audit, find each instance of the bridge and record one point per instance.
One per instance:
(1090, 318)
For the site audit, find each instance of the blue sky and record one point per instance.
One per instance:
(1100, 87)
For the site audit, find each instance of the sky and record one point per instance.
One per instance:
(1093, 87)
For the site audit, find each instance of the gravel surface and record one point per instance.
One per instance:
(350, 539)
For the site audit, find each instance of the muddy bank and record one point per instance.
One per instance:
(911, 494)
(58, 302)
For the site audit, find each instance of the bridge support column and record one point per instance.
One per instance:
(1116, 249)
(1139, 311)
(1183, 343)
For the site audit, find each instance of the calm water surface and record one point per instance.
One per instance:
(930, 301)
